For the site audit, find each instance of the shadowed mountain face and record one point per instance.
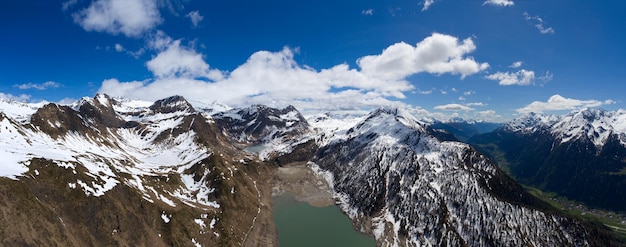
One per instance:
(581, 155)
(116, 172)
(410, 188)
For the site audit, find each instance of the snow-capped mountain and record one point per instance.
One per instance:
(261, 124)
(103, 170)
(581, 155)
(111, 172)
(411, 189)
(593, 125)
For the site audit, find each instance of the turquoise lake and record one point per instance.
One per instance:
(302, 225)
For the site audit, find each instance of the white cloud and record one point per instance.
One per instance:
(516, 64)
(38, 86)
(548, 76)
(489, 115)
(178, 61)
(504, 3)
(427, 4)
(436, 54)
(487, 112)
(476, 104)
(453, 107)
(20, 98)
(425, 92)
(367, 12)
(131, 18)
(470, 92)
(538, 23)
(195, 17)
(276, 79)
(522, 77)
(544, 30)
(558, 103)
(462, 98)
(68, 4)
(272, 78)
(119, 48)
(159, 40)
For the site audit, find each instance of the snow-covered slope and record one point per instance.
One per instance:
(392, 176)
(169, 154)
(107, 171)
(581, 155)
(259, 124)
(593, 125)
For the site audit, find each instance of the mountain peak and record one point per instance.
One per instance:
(172, 104)
(260, 123)
(399, 114)
(531, 122)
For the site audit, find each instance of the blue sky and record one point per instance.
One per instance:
(478, 59)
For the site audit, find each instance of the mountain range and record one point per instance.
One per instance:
(117, 172)
(581, 155)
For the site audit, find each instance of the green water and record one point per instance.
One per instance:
(302, 225)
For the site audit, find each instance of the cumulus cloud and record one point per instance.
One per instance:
(178, 61)
(38, 86)
(427, 4)
(504, 3)
(436, 54)
(516, 64)
(538, 23)
(276, 79)
(131, 18)
(558, 103)
(522, 77)
(367, 12)
(195, 17)
(453, 107)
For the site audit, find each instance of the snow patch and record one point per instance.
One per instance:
(165, 217)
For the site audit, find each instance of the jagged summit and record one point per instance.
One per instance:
(172, 104)
(581, 155)
(593, 125)
(262, 124)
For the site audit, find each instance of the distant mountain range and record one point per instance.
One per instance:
(465, 129)
(581, 155)
(119, 172)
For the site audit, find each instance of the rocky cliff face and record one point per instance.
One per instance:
(410, 189)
